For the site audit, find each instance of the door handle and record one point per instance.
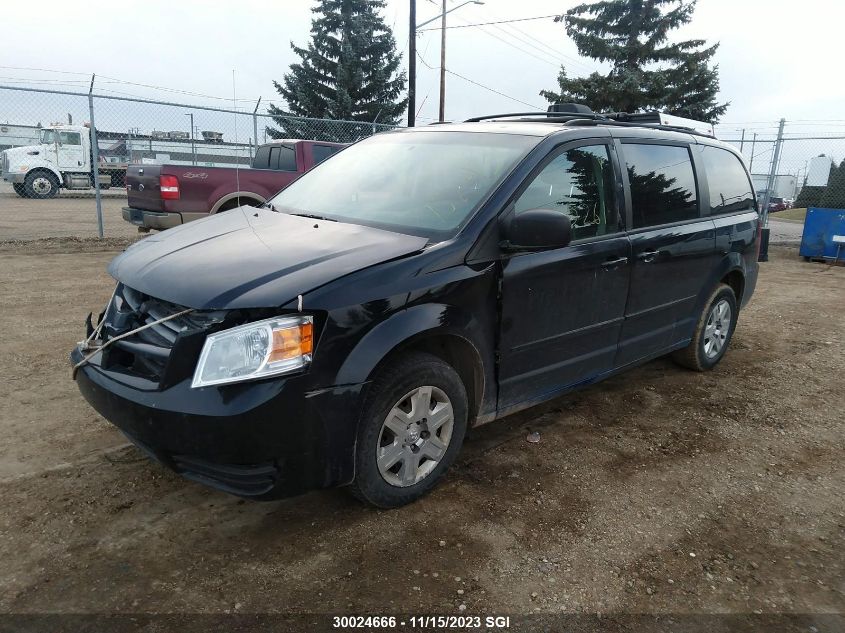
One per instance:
(616, 261)
(648, 256)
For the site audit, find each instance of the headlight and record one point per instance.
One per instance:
(256, 350)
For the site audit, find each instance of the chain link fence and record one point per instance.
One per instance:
(51, 188)
(793, 166)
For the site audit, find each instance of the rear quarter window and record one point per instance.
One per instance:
(727, 181)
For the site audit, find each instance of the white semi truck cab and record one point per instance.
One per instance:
(62, 160)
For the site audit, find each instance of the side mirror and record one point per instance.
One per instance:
(536, 229)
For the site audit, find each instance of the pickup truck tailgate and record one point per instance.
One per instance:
(142, 187)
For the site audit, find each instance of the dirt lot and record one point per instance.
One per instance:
(658, 491)
(72, 213)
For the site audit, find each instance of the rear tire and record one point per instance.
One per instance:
(411, 430)
(41, 184)
(19, 189)
(712, 333)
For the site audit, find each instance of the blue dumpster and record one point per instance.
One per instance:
(822, 227)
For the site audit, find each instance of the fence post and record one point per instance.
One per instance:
(95, 159)
(255, 123)
(772, 173)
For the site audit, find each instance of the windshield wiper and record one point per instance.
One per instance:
(313, 216)
(269, 205)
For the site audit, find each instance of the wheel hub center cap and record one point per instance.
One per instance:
(413, 434)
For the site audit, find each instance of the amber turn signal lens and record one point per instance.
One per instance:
(292, 342)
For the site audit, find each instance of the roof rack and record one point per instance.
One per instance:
(551, 117)
(577, 114)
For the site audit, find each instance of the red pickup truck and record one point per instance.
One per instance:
(163, 196)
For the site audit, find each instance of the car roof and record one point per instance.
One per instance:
(540, 128)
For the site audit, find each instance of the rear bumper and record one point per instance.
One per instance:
(260, 440)
(158, 220)
(152, 219)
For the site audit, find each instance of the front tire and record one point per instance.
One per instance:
(41, 184)
(712, 333)
(411, 430)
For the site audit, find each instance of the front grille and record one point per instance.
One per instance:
(161, 353)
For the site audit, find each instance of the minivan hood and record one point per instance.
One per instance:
(253, 258)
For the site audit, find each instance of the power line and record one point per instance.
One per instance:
(553, 50)
(45, 70)
(464, 26)
(543, 56)
(555, 54)
(472, 81)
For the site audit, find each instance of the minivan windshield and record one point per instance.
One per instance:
(426, 183)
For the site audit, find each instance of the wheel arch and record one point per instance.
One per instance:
(420, 329)
(735, 278)
(248, 195)
(48, 169)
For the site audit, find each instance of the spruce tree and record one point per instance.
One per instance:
(834, 194)
(349, 70)
(647, 72)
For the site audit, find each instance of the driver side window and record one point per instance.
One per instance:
(578, 182)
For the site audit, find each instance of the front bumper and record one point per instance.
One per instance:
(261, 440)
(17, 179)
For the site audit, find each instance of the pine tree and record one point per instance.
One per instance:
(647, 73)
(834, 194)
(348, 71)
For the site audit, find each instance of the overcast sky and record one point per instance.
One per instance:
(777, 58)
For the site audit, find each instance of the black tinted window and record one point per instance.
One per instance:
(322, 152)
(284, 158)
(662, 184)
(578, 183)
(262, 158)
(730, 188)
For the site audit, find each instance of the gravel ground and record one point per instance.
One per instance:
(785, 232)
(72, 213)
(658, 491)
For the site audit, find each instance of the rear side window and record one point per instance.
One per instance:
(262, 158)
(662, 184)
(322, 152)
(282, 158)
(727, 180)
(579, 183)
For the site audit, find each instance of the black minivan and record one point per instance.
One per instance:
(415, 284)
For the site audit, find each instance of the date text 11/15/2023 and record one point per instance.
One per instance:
(437, 622)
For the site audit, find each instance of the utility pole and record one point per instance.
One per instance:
(412, 63)
(442, 117)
